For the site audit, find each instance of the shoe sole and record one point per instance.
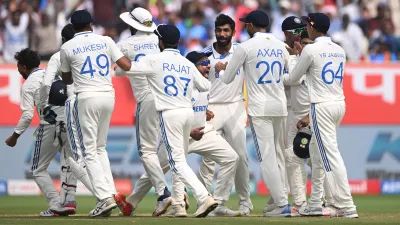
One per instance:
(120, 203)
(207, 211)
(279, 215)
(66, 212)
(311, 214)
(164, 210)
(177, 216)
(106, 211)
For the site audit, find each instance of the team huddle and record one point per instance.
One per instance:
(193, 104)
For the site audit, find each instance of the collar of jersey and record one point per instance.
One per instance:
(262, 34)
(172, 50)
(84, 32)
(35, 70)
(323, 38)
(216, 55)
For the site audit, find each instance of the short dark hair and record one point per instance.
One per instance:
(169, 45)
(68, 32)
(28, 58)
(223, 19)
(80, 27)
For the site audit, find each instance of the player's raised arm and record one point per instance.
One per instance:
(118, 57)
(299, 69)
(138, 68)
(238, 58)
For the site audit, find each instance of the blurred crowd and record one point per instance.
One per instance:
(368, 30)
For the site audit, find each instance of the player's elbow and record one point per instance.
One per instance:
(67, 78)
(124, 63)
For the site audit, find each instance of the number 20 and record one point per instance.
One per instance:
(91, 71)
(267, 70)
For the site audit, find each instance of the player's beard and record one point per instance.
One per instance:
(224, 41)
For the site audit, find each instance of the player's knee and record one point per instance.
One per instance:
(38, 172)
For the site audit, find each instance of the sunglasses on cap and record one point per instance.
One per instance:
(296, 31)
(203, 63)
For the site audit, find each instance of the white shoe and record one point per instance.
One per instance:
(279, 211)
(48, 213)
(177, 211)
(208, 205)
(343, 213)
(244, 210)
(311, 211)
(103, 208)
(162, 206)
(296, 208)
(222, 210)
(68, 208)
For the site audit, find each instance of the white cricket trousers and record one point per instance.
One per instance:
(146, 137)
(230, 122)
(92, 117)
(295, 166)
(325, 120)
(268, 132)
(212, 146)
(175, 127)
(50, 139)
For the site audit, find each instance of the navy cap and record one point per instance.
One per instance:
(293, 22)
(81, 17)
(301, 143)
(319, 21)
(168, 33)
(257, 18)
(195, 56)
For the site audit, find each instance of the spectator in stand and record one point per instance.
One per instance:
(350, 38)
(380, 52)
(16, 34)
(45, 38)
(386, 35)
(352, 10)
(374, 24)
(278, 17)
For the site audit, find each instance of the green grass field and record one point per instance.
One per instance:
(25, 210)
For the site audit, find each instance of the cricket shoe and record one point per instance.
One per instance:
(186, 200)
(123, 205)
(269, 208)
(314, 211)
(163, 202)
(48, 213)
(177, 211)
(343, 213)
(222, 210)
(103, 207)
(207, 206)
(296, 208)
(68, 208)
(279, 211)
(245, 208)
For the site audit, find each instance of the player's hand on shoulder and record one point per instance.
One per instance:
(220, 66)
(197, 133)
(209, 115)
(303, 122)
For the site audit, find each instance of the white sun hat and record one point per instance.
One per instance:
(140, 19)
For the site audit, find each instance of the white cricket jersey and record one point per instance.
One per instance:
(221, 92)
(323, 63)
(89, 57)
(134, 48)
(171, 78)
(200, 106)
(300, 101)
(30, 97)
(264, 59)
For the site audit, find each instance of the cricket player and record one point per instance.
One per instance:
(226, 102)
(263, 58)
(172, 79)
(323, 63)
(86, 62)
(293, 27)
(144, 42)
(71, 158)
(210, 145)
(49, 137)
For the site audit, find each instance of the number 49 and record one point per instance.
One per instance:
(100, 63)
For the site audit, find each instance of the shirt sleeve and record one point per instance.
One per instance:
(238, 58)
(292, 61)
(299, 69)
(142, 67)
(65, 61)
(53, 68)
(114, 50)
(27, 109)
(199, 81)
